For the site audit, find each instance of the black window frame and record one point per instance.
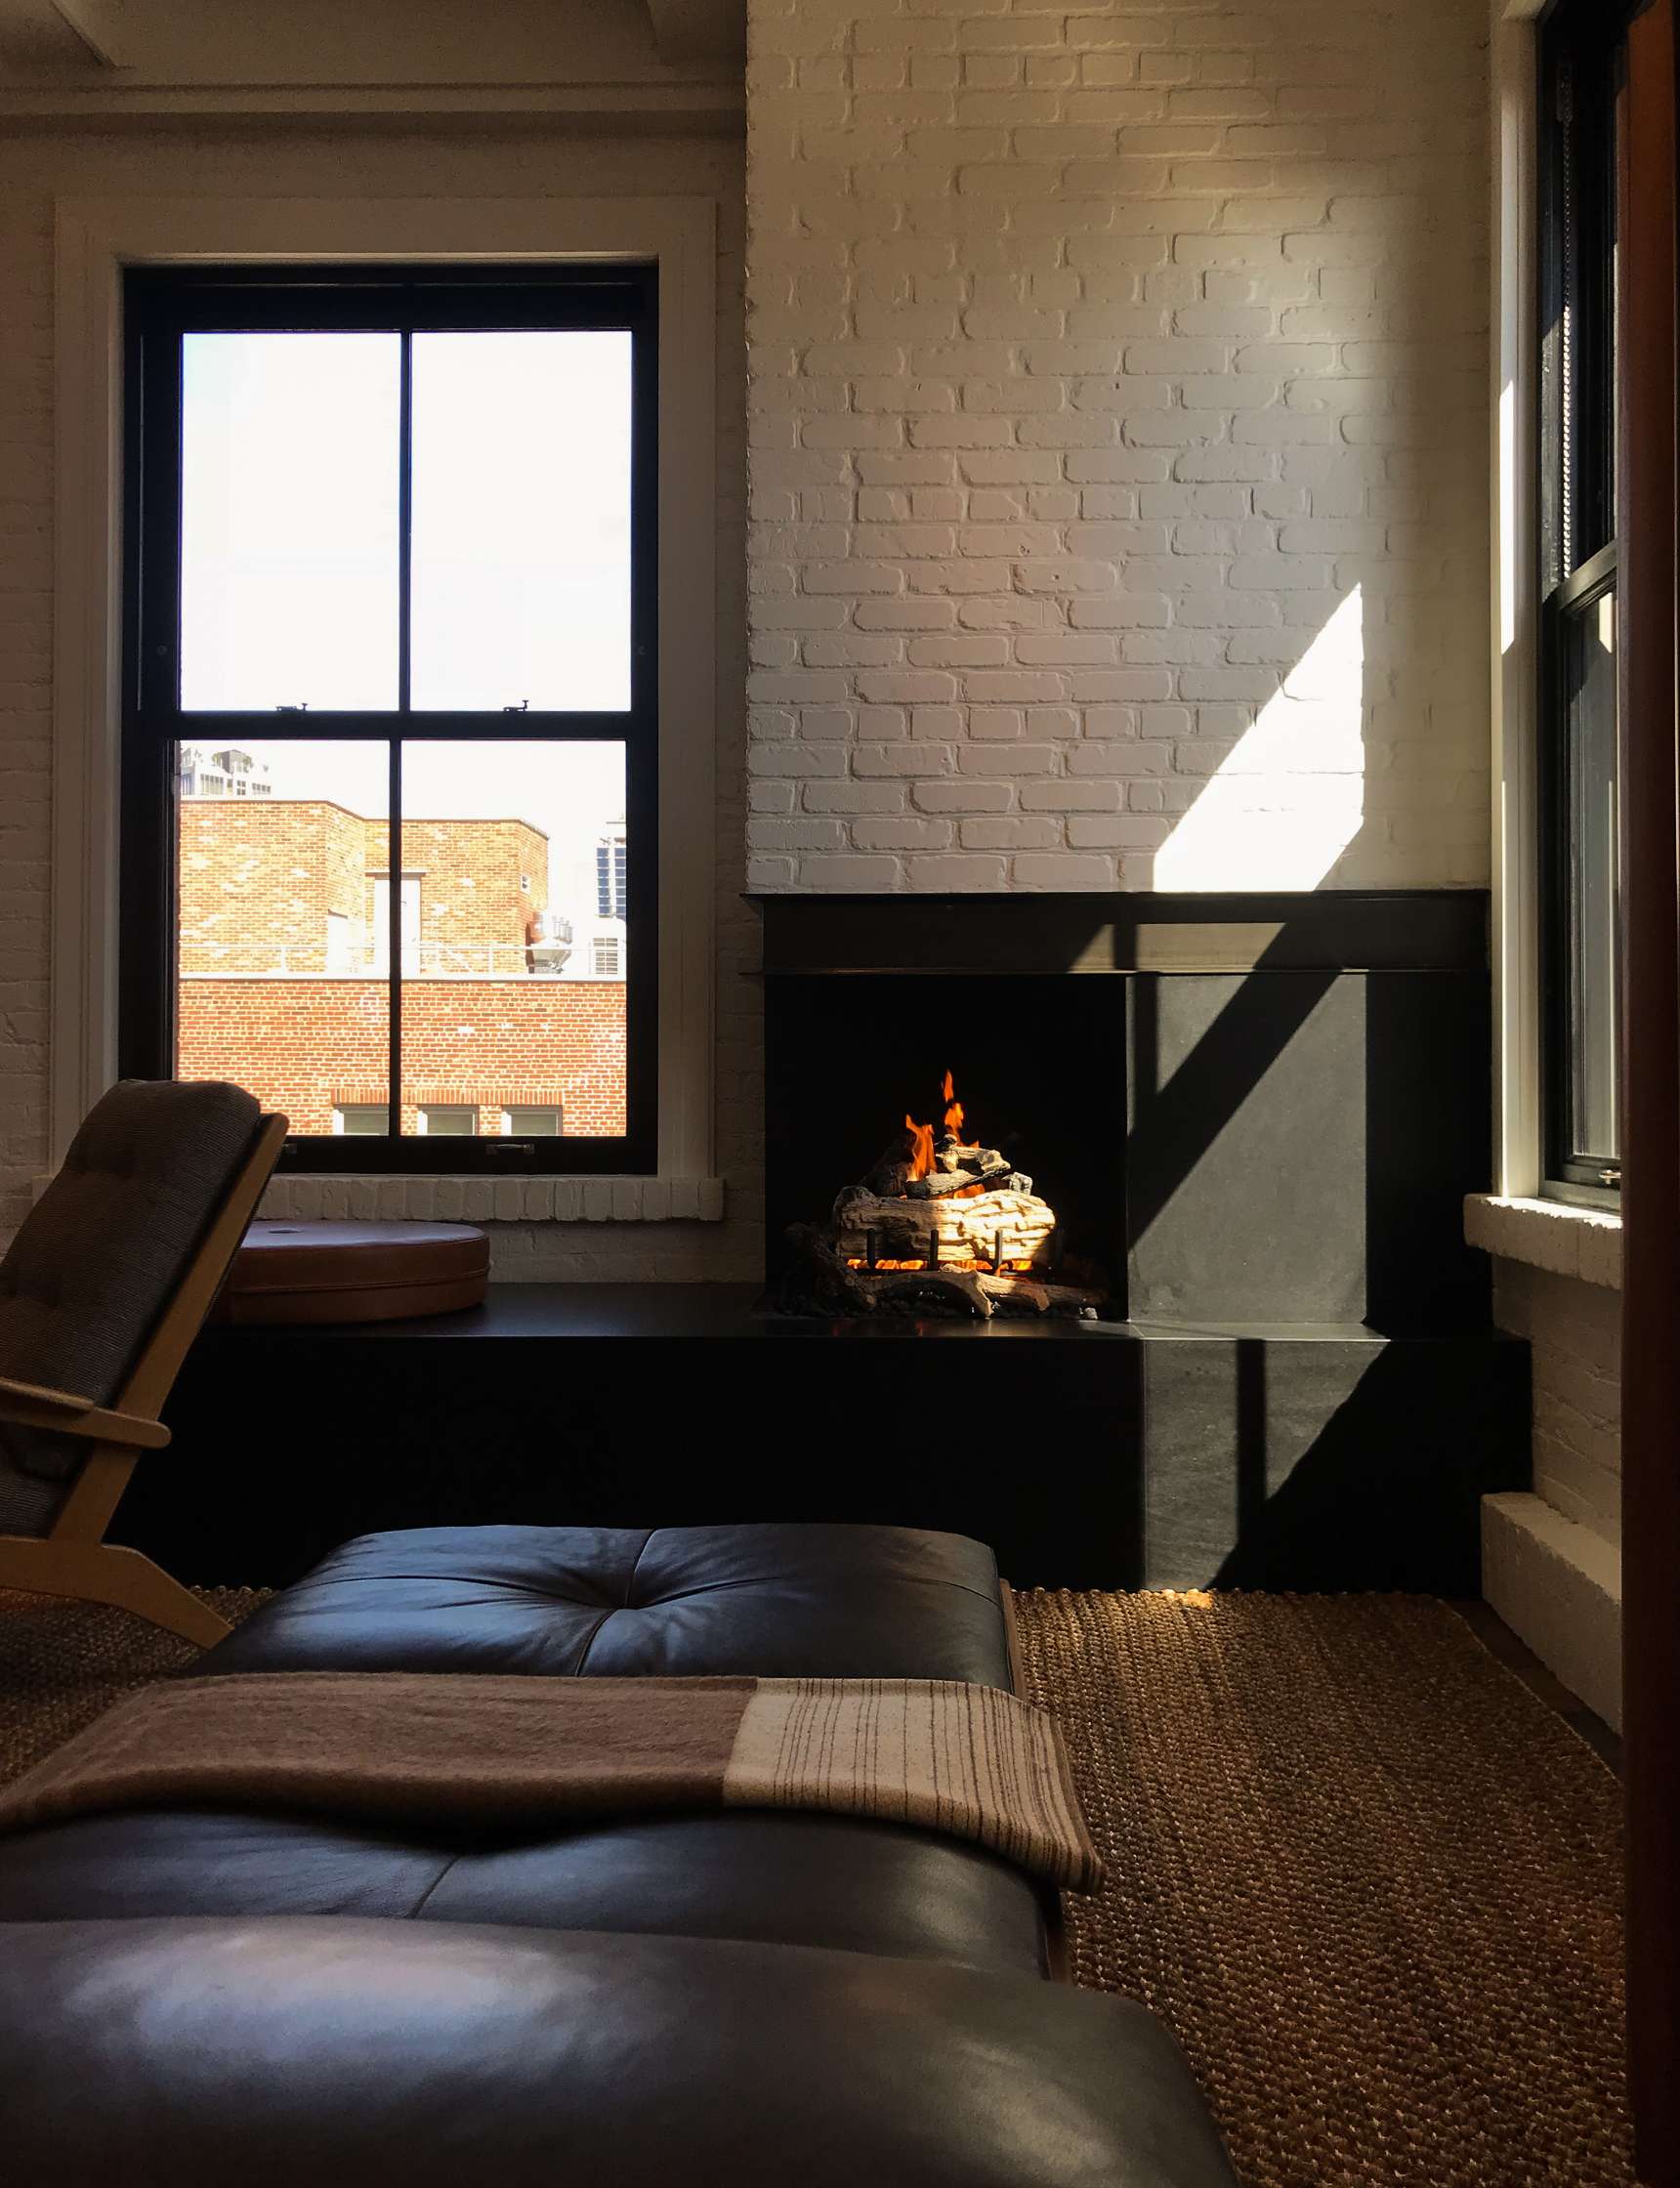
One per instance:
(161, 307)
(1583, 47)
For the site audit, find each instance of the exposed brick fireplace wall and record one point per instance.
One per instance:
(1119, 445)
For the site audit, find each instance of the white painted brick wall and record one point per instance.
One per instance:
(257, 159)
(1574, 1332)
(1118, 444)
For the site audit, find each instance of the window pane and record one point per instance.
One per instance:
(449, 1123)
(361, 1120)
(1595, 973)
(502, 1009)
(532, 1124)
(279, 983)
(288, 521)
(521, 521)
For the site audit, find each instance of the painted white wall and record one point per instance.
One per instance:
(1119, 445)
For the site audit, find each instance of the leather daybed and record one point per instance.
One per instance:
(743, 1996)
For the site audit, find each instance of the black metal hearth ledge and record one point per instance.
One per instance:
(1325, 1456)
(1336, 930)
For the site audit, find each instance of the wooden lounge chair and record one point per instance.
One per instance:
(101, 1294)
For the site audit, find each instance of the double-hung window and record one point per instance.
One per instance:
(1580, 104)
(390, 708)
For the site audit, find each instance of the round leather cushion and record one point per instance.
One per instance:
(353, 1272)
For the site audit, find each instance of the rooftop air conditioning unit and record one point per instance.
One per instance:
(550, 946)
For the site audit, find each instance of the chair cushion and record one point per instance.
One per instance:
(792, 1880)
(353, 1272)
(102, 1251)
(339, 2052)
(775, 1601)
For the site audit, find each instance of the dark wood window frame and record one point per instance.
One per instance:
(161, 307)
(1581, 51)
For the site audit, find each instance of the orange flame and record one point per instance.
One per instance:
(922, 1153)
(953, 1110)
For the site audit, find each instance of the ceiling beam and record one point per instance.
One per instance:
(699, 29)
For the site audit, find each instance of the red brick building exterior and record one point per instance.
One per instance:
(283, 943)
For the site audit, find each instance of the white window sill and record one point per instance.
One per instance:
(1569, 1241)
(444, 1200)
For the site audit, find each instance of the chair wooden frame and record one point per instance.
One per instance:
(73, 1558)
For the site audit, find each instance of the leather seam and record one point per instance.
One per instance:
(593, 1634)
(424, 1900)
(630, 1583)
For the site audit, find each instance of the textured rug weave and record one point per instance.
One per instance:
(1369, 1881)
(63, 1664)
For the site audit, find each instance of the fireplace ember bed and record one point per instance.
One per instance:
(940, 1224)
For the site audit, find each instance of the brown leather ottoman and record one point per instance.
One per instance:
(353, 1272)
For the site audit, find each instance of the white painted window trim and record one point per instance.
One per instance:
(96, 239)
(1515, 631)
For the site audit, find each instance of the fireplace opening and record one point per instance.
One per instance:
(974, 1179)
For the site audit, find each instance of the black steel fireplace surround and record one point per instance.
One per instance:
(1259, 1114)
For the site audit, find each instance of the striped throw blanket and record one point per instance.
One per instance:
(508, 1753)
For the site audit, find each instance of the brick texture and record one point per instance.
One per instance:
(1574, 1332)
(306, 1046)
(1119, 431)
(259, 882)
(253, 157)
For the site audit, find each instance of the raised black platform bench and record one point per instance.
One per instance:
(1089, 1454)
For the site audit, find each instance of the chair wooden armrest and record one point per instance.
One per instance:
(34, 1406)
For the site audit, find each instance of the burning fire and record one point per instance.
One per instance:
(978, 1268)
(922, 1136)
(922, 1153)
(953, 1110)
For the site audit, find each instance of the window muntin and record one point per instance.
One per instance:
(601, 724)
(1581, 939)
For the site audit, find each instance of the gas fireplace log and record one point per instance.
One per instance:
(937, 1185)
(937, 1289)
(989, 1228)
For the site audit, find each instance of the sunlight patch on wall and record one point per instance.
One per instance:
(1289, 799)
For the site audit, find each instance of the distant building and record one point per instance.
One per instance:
(284, 955)
(601, 941)
(227, 774)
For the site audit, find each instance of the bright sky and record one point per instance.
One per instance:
(521, 559)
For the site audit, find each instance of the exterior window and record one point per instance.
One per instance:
(1580, 816)
(532, 1123)
(390, 698)
(359, 1120)
(450, 1121)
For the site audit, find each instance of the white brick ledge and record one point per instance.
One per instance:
(1552, 1235)
(1558, 1588)
(444, 1200)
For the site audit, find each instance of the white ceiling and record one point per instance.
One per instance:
(155, 45)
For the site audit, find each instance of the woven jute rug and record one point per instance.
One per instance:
(1369, 1881)
(63, 1664)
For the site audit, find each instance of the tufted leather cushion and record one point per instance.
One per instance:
(775, 1601)
(778, 1601)
(792, 1880)
(343, 2053)
(101, 1254)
